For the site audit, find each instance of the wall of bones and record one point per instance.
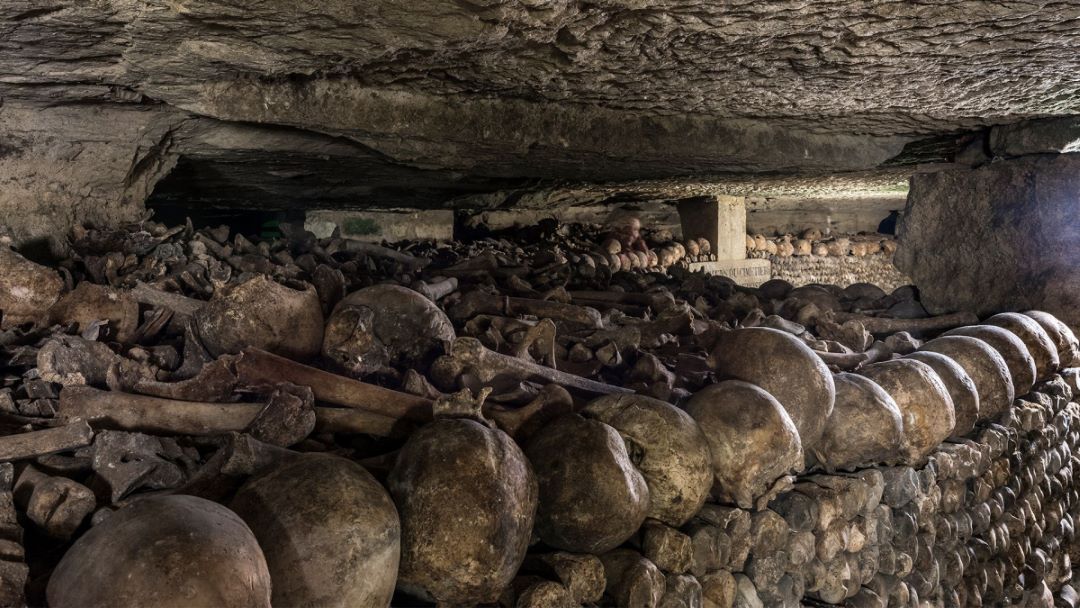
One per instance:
(876, 269)
(516, 420)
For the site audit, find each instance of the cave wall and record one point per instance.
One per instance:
(1001, 236)
(60, 166)
(448, 104)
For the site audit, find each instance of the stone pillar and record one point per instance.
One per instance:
(1003, 236)
(722, 220)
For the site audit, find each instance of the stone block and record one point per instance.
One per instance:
(749, 273)
(721, 220)
(1045, 136)
(999, 237)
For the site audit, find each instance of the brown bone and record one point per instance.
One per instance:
(385, 252)
(436, 290)
(479, 302)
(256, 367)
(469, 353)
(56, 504)
(850, 362)
(27, 290)
(1011, 348)
(24, 446)
(214, 382)
(178, 303)
(167, 416)
(885, 325)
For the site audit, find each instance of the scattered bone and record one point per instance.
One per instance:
(850, 362)
(468, 354)
(58, 505)
(178, 303)
(216, 381)
(74, 360)
(382, 328)
(436, 290)
(885, 325)
(522, 422)
(127, 462)
(27, 290)
(386, 252)
(25, 446)
(89, 303)
(255, 368)
(140, 413)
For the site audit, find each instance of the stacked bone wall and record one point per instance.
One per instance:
(987, 521)
(876, 269)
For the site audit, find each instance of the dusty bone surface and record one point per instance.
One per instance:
(96, 422)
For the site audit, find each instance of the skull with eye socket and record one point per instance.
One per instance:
(385, 328)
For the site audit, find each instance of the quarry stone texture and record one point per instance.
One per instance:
(1000, 237)
(278, 103)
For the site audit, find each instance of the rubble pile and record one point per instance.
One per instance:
(515, 420)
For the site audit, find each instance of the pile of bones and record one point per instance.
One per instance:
(191, 417)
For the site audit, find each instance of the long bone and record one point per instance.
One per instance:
(469, 354)
(24, 446)
(885, 325)
(479, 302)
(256, 367)
(124, 411)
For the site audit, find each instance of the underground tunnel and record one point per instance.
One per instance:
(539, 304)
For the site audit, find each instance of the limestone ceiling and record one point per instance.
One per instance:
(534, 89)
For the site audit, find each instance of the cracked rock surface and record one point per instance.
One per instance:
(344, 102)
(1000, 237)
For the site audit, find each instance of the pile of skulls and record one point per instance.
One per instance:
(811, 242)
(321, 421)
